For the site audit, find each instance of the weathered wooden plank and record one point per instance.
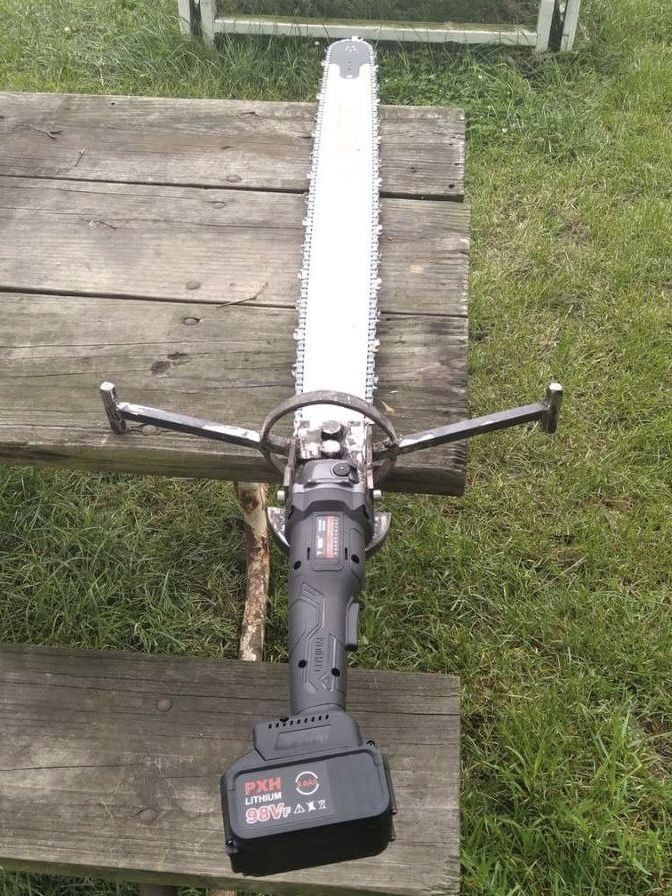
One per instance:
(109, 766)
(177, 243)
(226, 362)
(202, 249)
(217, 143)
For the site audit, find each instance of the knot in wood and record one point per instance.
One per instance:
(148, 816)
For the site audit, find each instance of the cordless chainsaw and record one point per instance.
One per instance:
(313, 789)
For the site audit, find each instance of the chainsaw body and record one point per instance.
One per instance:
(313, 791)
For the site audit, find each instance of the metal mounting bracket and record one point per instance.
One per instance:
(282, 452)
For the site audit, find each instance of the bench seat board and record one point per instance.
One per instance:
(223, 362)
(192, 244)
(109, 766)
(231, 144)
(156, 244)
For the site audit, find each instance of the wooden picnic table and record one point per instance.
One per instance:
(156, 243)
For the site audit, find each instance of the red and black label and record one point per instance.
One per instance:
(290, 794)
(328, 536)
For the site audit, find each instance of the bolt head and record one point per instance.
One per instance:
(330, 448)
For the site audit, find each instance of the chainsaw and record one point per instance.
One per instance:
(313, 790)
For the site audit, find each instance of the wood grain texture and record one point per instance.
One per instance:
(109, 766)
(156, 243)
(181, 244)
(230, 363)
(215, 143)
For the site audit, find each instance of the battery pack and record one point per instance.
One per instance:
(311, 792)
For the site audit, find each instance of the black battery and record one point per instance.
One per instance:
(311, 792)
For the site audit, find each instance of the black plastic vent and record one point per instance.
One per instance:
(291, 723)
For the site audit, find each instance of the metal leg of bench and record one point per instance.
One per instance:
(208, 13)
(570, 24)
(185, 10)
(544, 24)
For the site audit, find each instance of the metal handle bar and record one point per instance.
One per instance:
(276, 447)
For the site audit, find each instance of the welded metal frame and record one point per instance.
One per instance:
(556, 27)
(281, 451)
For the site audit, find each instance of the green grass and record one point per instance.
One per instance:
(548, 588)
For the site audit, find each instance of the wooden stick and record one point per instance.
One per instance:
(253, 497)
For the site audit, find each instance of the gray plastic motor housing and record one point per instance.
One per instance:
(329, 522)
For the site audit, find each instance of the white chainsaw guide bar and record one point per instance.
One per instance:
(338, 304)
